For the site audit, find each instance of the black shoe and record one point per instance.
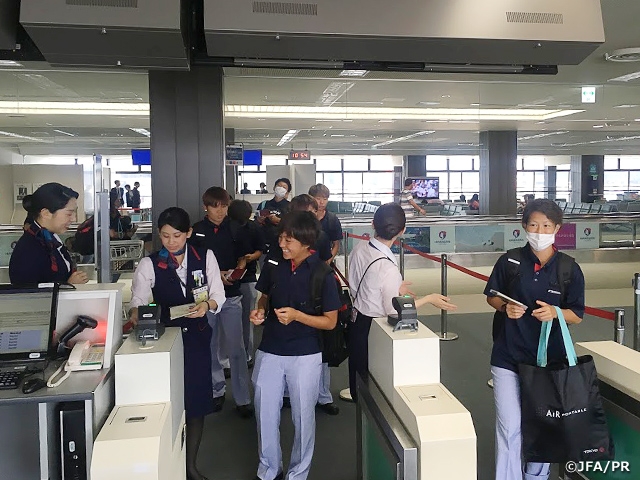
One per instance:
(286, 402)
(250, 363)
(227, 373)
(280, 476)
(245, 411)
(329, 408)
(218, 402)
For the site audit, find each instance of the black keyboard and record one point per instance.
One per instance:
(10, 380)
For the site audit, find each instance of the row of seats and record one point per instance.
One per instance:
(350, 207)
(585, 208)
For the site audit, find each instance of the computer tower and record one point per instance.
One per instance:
(73, 448)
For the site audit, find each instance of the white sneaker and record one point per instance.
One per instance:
(345, 395)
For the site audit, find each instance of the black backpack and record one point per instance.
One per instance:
(84, 238)
(565, 267)
(332, 342)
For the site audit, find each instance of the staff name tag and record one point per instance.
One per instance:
(200, 294)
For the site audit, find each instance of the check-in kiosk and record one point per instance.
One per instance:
(144, 436)
(619, 383)
(410, 427)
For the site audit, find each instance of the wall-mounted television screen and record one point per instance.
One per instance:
(252, 157)
(141, 156)
(426, 187)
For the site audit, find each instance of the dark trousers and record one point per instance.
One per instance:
(358, 335)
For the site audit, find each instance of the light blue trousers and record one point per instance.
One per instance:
(227, 331)
(249, 296)
(506, 393)
(301, 375)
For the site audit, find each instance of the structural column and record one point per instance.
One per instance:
(498, 152)
(587, 178)
(550, 182)
(187, 137)
(231, 171)
(416, 165)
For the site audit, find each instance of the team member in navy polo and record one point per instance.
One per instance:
(39, 256)
(289, 353)
(270, 212)
(536, 285)
(252, 239)
(217, 233)
(176, 275)
(332, 227)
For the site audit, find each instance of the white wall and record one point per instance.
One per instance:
(69, 175)
(7, 158)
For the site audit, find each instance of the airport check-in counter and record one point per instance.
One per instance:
(144, 436)
(619, 381)
(409, 425)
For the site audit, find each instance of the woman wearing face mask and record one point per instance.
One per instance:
(270, 212)
(535, 282)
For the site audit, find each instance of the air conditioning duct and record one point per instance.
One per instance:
(412, 35)
(103, 33)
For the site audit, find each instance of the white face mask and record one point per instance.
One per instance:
(280, 192)
(541, 241)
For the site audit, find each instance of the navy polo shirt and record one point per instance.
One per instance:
(220, 240)
(516, 341)
(331, 226)
(322, 247)
(251, 238)
(287, 287)
(276, 208)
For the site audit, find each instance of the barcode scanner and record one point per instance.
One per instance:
(82, 322)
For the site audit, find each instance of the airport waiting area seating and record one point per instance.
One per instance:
(592, 208)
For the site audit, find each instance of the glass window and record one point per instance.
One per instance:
(524, 182)
(634, 180)
(519, 162)
(539, 186)
(533, 163)
(253, 180)
(353, 183)
(330, 164)
(455, 183)
(631, 162)
(274, 160)
(377, 182)
(436, 162)
(333, 182)
(319, 177)
(356, 163)
(564, 166)
(616, 180)
(611, 162)
(563, 180)
(460, 163)
(470, 182)
(379, 197)
(381, 162)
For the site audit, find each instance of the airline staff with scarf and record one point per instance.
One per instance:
(39, 256)
(176, 275)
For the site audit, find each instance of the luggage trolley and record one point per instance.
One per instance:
(125, 255)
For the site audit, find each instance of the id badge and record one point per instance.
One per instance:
(200, 294)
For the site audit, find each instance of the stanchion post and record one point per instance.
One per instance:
(402, 258)
(345, 238)
(618, 329)
(636, 312)
(443, 333)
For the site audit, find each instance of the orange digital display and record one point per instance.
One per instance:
(299, 155)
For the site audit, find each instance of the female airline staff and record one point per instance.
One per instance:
(39, 256)
(374, 279)
(535, 283)
(176, 275)
(289, 353)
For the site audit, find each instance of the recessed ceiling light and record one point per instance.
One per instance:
(401, 139)
(65, 133)
(428, 104)
(446, 96)
(542, 135)
(598, 126)
(287, 137)
(475, 104)
(626, 106)
(386, 121)
(354, 73)
(623, 55)
(141, 131)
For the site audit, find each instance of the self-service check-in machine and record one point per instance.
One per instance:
(410, 427)
(144, 436)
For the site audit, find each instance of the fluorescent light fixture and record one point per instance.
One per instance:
(608, 140)
(402, 139)
(23, 137)
(387, 113)
(626, 105)
(354, 73)
(10, 63)
(65, 133)
(334, 92)
(74, 108)
(141, 131)
(626, 78)
(598, 126)
(287, 137)
(542, 135)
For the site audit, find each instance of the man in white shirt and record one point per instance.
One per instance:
(374, 279)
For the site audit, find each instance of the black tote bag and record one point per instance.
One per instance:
(562, 415)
